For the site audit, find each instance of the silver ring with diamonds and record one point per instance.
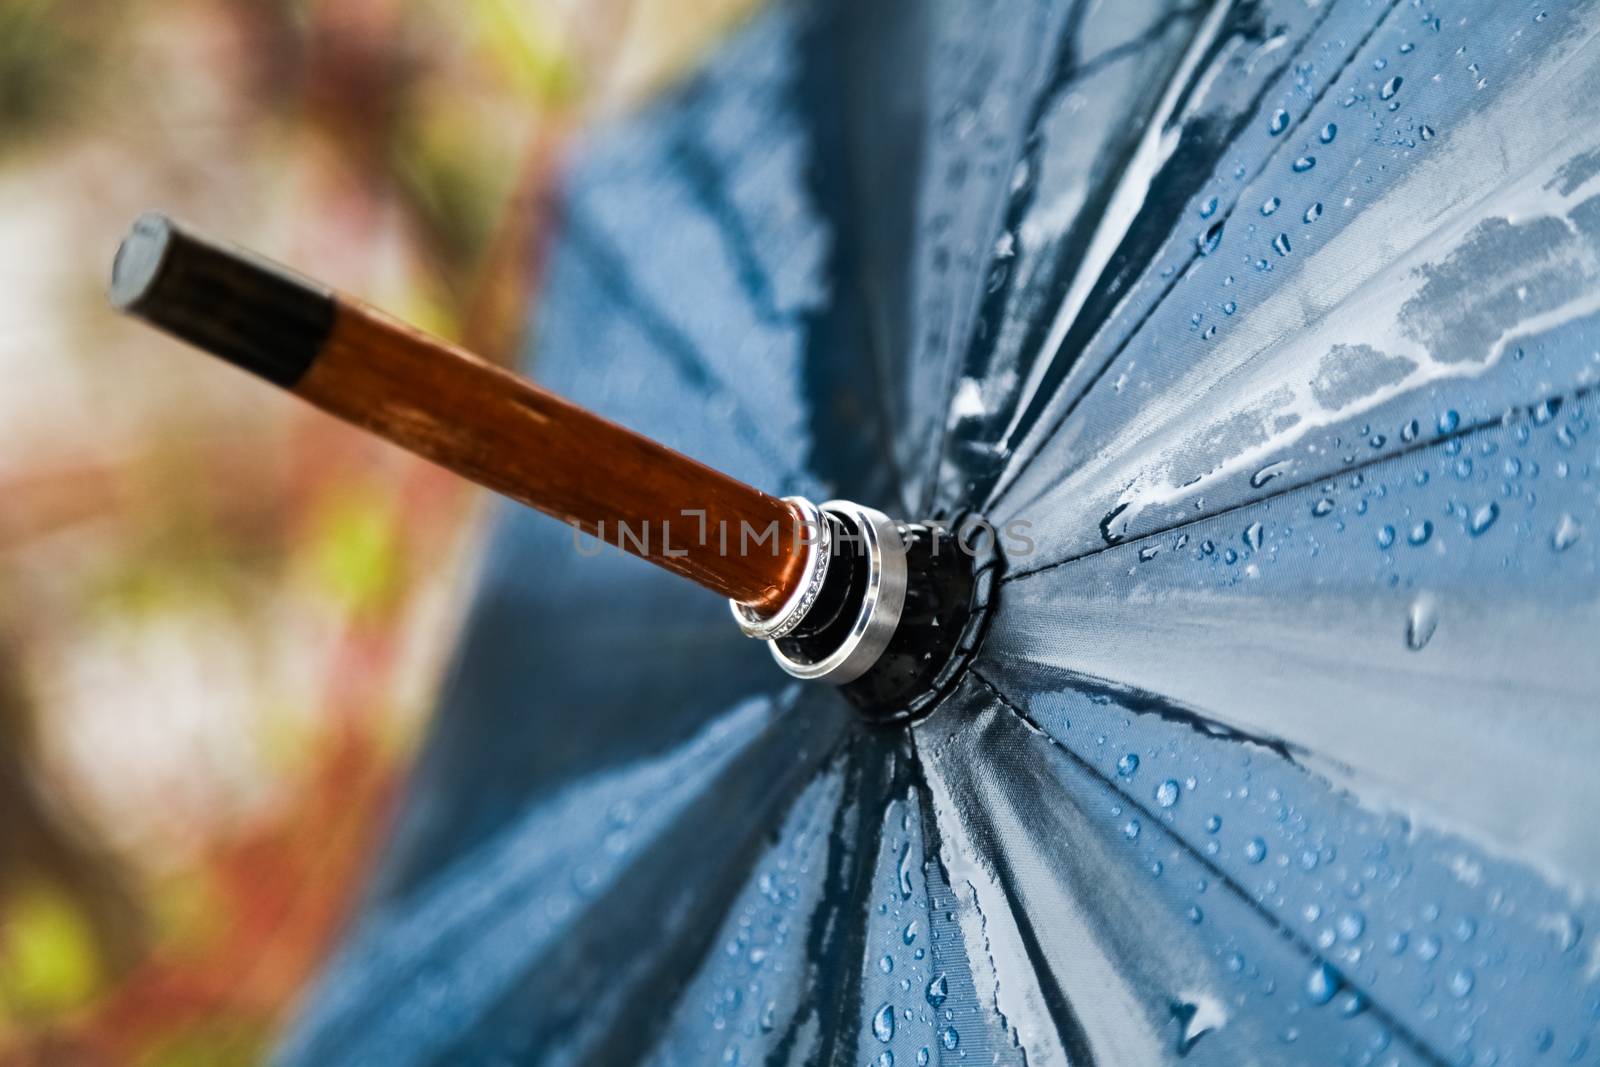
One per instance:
(815, 572)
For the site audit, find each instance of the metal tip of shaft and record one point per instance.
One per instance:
(139, 260)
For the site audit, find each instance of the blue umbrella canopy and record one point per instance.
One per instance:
(1272, 328)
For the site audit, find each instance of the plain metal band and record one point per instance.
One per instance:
(881, 605)
(794, 609)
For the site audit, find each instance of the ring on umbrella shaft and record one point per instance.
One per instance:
(852, 618)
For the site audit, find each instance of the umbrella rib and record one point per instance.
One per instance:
(1005, 483)
(1416, 1042)
(706, 185)
(1067, 72)
(604, 262)
(1466, 430)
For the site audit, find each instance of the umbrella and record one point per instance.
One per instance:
(1269, 329)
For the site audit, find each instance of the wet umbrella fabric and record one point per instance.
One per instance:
(1278, 323)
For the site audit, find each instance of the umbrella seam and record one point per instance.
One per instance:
(1004, 484)
(1417, 1043)
(1433, 442)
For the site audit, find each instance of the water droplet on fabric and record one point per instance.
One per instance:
(1206, 243)
(1566, 533)
(1461, 982)
(1329, 132)
(950, 1038)
(1280, 244)
(909, 934)
(885, 1059)
(1253, 536)
(1213, 824)
(883, 1024)
(1385, 536)
(1322, 507)
(1127, 765)
(1279, 122)
(886, 964)
(938, 990)
(1420, 533)
(1313, 213)
(1322, 984)
(1303, 164)
(1448, 421)
(1208, 208)
(1270, 205)
(1482, 518)
(1391, 87)
(1269, 472)
(1351, 925)
(1131, 831)
(1167, 793)
(1421, 621)
(1255, 850)
(1426, 132)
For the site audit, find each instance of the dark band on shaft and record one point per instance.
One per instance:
(236, 305)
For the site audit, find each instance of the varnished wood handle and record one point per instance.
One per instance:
(469, 416)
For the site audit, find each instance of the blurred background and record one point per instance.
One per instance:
(222, 615)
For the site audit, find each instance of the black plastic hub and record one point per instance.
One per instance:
(951, 586)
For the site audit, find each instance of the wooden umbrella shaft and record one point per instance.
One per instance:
(467, 415)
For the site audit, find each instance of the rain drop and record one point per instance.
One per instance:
(1420, 533)
(937, 991)
(1303, 164)
(1321, 984)
(1252, 536)
(1426, 132)
(1267, 473)
(1391, 87)
(1385, 536)
(1313, 213)
(1448, 421)
(886, 964)
(885, 1059)
(1280, 244)
(1229, 308)
(1461, 982)
(1206, 243)
(1567, 531)
(1482, 518)
(1131, 831)
(1213, 823)
(950, 1038)
(1428, 949)
(1322, 507)
(883, 1023)
(1269, 205)
(1167, 793)
(1351, 925)
(1208, 208)
(1127, 765)
(1255, 850)
(1279, 123)
(1409, 431)
(909, 934)
(1421, 621)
